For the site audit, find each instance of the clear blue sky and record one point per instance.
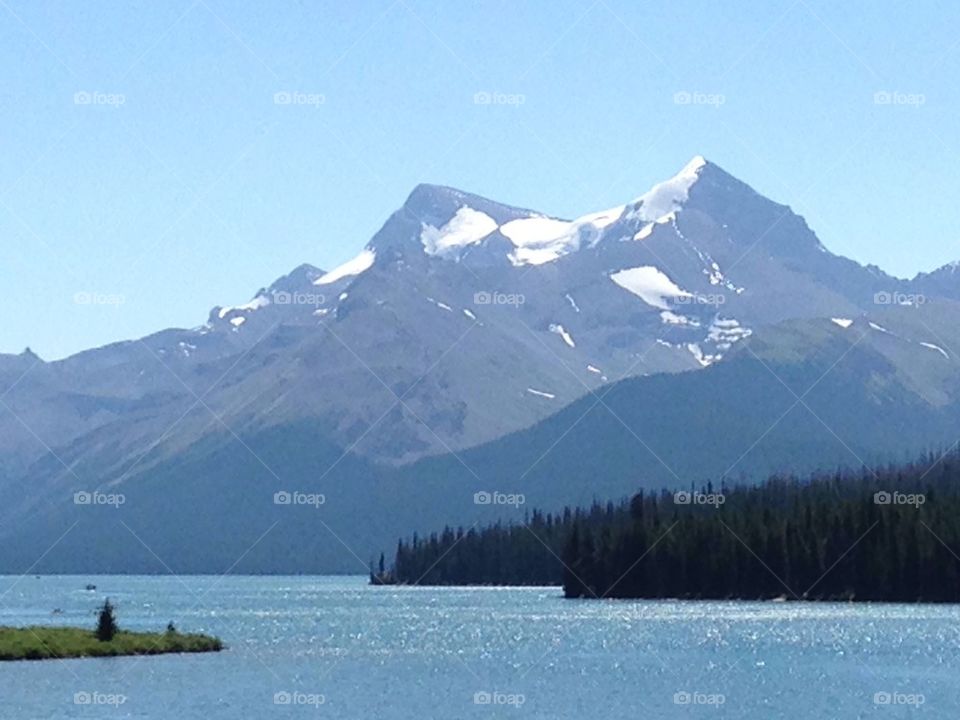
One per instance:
(199, 189)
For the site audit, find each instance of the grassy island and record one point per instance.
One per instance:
(47, 643)
(106, 640)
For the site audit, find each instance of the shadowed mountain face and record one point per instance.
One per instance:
(466, 346)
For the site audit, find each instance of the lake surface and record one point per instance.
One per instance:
(337, 648)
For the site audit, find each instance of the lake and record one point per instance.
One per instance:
(334, 647)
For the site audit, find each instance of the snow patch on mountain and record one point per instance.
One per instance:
(541, 393)
(601, 219)
(724, 332)
(540, 239)
(647, 230)
(716, 277)
(361, 263)
(559, 330)
(937, 348)
(533, 231)
(671, 318)
(466, 227)
(650, 284)
(644, 232)
(700, 356)
(441, 305)
(258, 302)
(667, 197)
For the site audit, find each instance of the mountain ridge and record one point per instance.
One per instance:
(465, 324)
(427, 194)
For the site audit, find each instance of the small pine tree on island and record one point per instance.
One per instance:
(106, 623)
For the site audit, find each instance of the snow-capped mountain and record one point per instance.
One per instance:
(482, 317)
(462, 321)
(670, 281)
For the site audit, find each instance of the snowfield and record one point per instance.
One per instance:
(667, 197)
(650, 284)
(559, 330)
(359, 264)
(466, 227)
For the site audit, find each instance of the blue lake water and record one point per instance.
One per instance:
(337, 648)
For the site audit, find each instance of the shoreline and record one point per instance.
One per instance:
(779, 599)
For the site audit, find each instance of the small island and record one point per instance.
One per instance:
(106, 640)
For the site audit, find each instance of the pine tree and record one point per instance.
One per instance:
(106, 623)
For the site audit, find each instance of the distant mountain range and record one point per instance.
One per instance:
(698, 331)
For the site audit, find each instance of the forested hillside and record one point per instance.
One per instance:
(888, 534)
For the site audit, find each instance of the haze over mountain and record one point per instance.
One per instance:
(699, 330)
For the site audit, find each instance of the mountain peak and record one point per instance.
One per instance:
(301, 276)
(436, 204)
(695, 164)
(450, 220)
(951, 268)
(445, 222)
(668, 196)
(430, 193)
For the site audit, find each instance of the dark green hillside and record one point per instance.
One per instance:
(889, 534)
(874, 398)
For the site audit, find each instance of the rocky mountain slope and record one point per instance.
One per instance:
(470, 329)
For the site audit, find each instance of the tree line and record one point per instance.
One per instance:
(526, 553)
(882, 534)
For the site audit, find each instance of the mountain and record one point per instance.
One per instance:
(469, 334)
